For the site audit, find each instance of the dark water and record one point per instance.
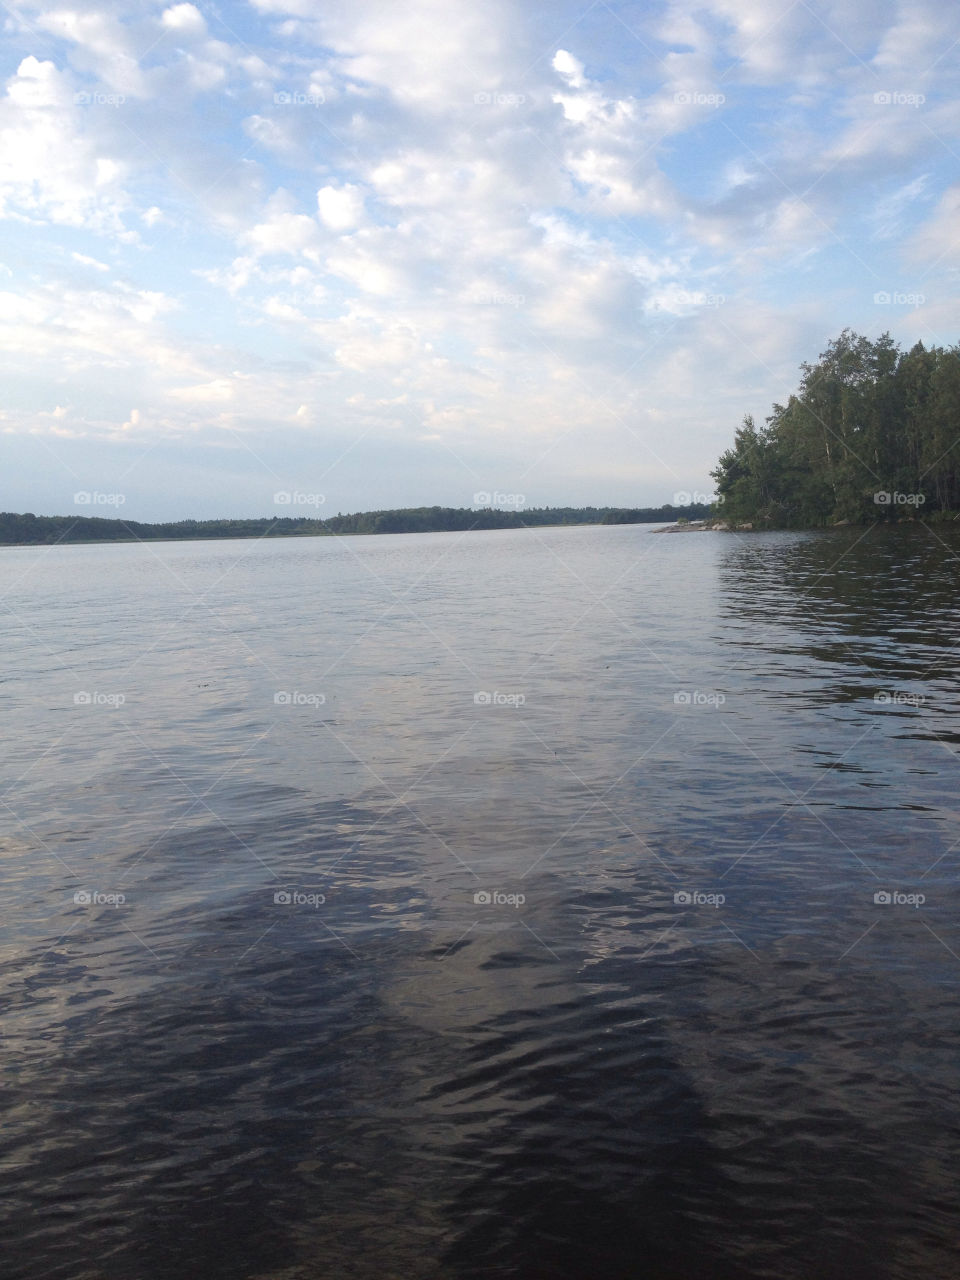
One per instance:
(401, 1081)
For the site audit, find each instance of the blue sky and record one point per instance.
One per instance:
(398, 254)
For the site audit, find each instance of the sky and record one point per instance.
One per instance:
(306, 256)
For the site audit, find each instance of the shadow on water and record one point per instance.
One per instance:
(203, 1078)
(783, 1108)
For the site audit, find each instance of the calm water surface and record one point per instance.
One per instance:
(541, 904)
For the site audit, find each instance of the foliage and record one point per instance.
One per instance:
(33, 529)
(871, 433)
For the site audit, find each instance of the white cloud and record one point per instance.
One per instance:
(364, 342)
(50, 167)
(372, 271)
(283, 231)
(86, 261)
(570, 68)
(103, 45)
(424, 52)
(185, 20)
(340, 208)
(218, 391)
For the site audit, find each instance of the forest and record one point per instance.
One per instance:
(871, 433)
(30, 529)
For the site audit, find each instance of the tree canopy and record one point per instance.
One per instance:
(871, 433)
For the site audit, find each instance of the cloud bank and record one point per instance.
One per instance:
(406, 252)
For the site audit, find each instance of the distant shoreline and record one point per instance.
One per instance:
(728, 526)
(287, 537)
(28, 530)
(665, 526)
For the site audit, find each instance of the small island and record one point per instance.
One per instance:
(870, 435)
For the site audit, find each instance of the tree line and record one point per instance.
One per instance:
(30, 529)
(871, 433)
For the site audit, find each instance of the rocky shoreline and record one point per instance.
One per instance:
(704, 526)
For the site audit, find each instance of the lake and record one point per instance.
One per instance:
(573, 902)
